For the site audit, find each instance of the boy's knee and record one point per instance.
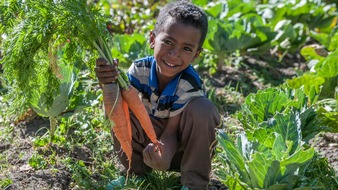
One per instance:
(201, 108)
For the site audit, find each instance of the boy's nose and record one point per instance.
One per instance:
(174, 52)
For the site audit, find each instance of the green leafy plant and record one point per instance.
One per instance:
(323, 81)
(50, 41)
(75, 27)
(328, 40)
(128, 48)
(320, 174)
(4, 183)
(313, 14)
(130, 17)
(60, 101)
(265, 106)
(38, 161)
(31, 47)
(224, 39)
(228, 10)
(289, 36)
(161, 181)
(327, 110)
(277, 122)
(247, 32)
(254, 165)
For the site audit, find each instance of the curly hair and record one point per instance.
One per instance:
(185, 12)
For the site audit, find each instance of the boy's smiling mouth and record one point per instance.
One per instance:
(169, 64)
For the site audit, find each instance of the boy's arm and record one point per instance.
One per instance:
(160, 157)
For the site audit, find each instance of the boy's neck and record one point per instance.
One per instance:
(162, 84)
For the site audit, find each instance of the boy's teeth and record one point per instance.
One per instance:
(171, 65)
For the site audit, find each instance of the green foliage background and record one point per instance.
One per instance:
(46, 66)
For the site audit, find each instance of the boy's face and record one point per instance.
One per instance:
(175, 47)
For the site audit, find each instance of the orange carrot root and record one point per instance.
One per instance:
(127, 114)
(117, 106)
(137, 107)
(118, 112)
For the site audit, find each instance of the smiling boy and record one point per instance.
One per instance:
(183, 118)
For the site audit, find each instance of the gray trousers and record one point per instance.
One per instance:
(195, 147)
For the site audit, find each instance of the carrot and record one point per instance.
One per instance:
(110, 97)
(117, 110)
(115, 104)
(130, 95)
(129, 132)
(126, 111)
(117, 99)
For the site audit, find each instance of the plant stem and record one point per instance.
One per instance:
(104, 51)
(52, 122)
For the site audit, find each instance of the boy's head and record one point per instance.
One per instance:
(186, 13)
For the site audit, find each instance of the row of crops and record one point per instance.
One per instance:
(53, 75)
(273, 151)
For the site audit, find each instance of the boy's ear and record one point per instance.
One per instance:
(152, 40)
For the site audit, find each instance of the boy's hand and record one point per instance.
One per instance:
(159, 156)
(155, 157)
(106, 73)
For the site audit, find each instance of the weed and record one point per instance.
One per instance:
(4, 183)
(162, 181)
(4, 164)
(37, 161)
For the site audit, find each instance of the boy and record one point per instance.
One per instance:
(183, 118)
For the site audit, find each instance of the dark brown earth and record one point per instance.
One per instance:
(254, 74)
(25, 177)
(22, 175)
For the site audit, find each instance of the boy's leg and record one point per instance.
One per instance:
(139, 142)
(197, 139)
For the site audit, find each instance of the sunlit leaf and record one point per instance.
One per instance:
(307, 81)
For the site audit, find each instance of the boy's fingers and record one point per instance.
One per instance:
(149, 152)
(105, 68)
(101, 61)
(159, 149)
(108, 72)
(107, 80)
(155, 151)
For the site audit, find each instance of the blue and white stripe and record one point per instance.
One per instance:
(186, 86)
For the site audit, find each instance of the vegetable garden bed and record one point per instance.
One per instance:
(269, 66)
(17, 153)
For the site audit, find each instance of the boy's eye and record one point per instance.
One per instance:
(187, 49)
(167, 42)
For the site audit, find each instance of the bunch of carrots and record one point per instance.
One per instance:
(47, 23)
(118, 98)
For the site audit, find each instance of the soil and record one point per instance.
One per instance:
(22, 174)
(254, 74)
